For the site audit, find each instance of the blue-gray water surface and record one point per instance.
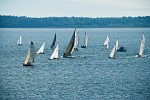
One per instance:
(89, 75)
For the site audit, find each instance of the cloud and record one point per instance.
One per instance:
(75, 7)
(125, 3)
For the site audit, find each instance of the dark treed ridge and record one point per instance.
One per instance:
(71, 22)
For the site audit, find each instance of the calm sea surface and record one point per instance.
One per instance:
(90, 75)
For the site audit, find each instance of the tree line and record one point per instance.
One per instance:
(8, 21)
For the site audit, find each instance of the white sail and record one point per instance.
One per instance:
(107, 46)
(117, 45)
(140, 54)
(112, 54)
(113, 51)
(27, 58)
(55, 53)
(41, 50)
(106, 41)
(30, 56)
(76, 40)
(86, 39)
(142, 45)
(19, 42)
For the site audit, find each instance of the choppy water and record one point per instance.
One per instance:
(90, 75)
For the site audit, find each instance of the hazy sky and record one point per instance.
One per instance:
(84, 8)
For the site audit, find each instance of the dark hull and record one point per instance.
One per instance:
(28, 64)
(65, 56)
(19, 44)
(41, 53)
(76, 49)
(121, 49)
(83, 46)
(138, 55)
(112, 57)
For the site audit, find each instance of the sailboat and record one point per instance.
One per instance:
(113, 51)
(70, 47)
(106, 43)
(122, 49)
(30, 56)
(55, 53)
(53, 43)
(85, 41)
(76, 41)
(41, 50)
(140, 54)
(117, 45)
(19, 42)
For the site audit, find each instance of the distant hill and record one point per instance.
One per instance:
(72, 22)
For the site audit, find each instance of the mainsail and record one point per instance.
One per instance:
(54, 41)
(106, 43)
(113, 51)
(85, 41)
(107, 46)
(141, 47)
(19, 42)
(41, 50)
(55, 53)
(117, 45)
(30, 56)
(26, 61)
(70, 47)
(76, 41)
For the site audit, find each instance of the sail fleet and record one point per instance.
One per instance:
(73, 45)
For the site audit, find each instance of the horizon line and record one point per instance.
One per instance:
(74, 16)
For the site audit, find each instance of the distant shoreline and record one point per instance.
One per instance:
(68, 27)
(74, 22)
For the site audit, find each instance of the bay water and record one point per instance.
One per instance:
(88, 75)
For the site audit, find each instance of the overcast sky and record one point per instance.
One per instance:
(78, 8)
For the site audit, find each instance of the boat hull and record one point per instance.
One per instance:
(138, 55)
(83, 46)
(76, 49)
(40, 53)
(28, 64)
(53, 59)
(19, 44)
(112, 57)
(121, 49)
(68, 56)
